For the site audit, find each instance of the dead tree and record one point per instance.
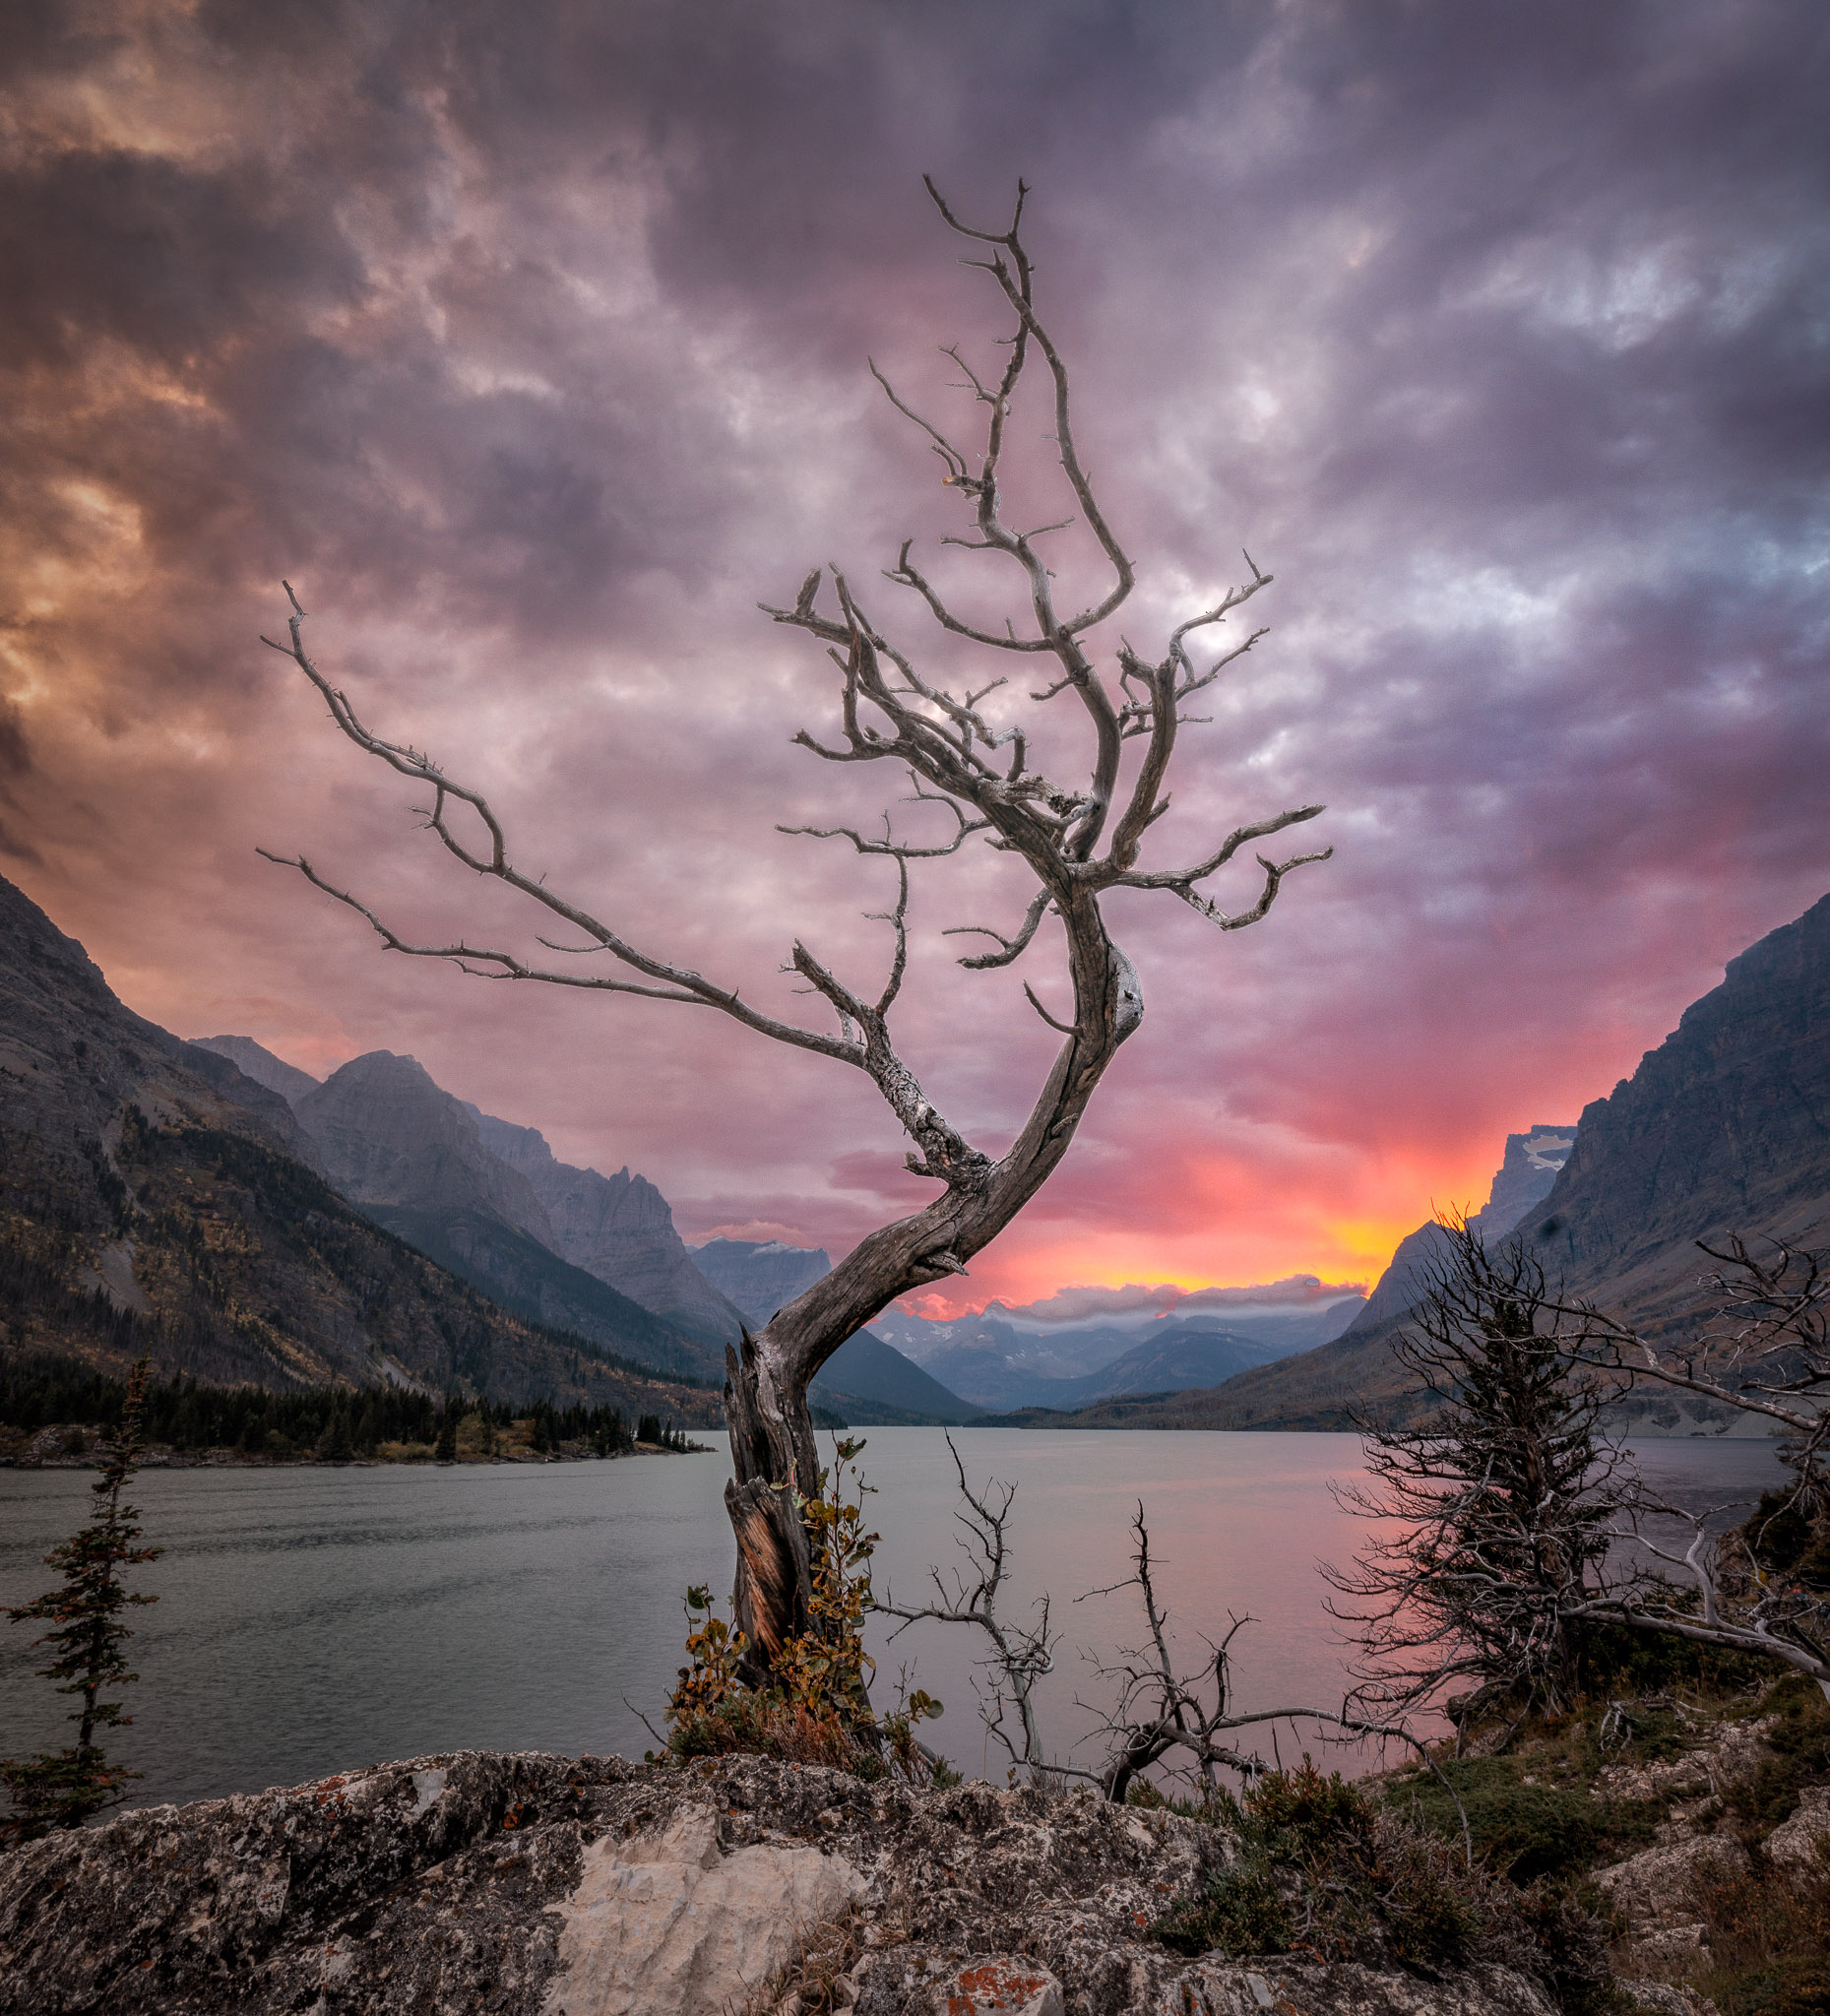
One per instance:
(1155, 1712)
(1509, 1525)
(1020, 1654)
(1151, 1711)
(1158, 1710)
(1761, 1345)
(1078, 840)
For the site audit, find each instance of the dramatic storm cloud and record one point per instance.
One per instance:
(528, 344)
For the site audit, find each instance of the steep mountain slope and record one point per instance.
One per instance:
(390, 1136)
(1523, 1179)
(412, 1158)
(1725, 1127)
(71, 1056)
(449, 1176)
(152, 1197)
(566, 1247)
(617, 1228)
(870, 1381)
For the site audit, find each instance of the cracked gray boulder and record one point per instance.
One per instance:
(535, 1885)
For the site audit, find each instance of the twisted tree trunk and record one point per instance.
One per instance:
(766, 1389)
(947, 745)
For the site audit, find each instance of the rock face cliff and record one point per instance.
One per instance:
(391, 1137)
(618, 1227)
(1725, 1127)
(536, 1886)
(412, 1157)
(1525, 1177)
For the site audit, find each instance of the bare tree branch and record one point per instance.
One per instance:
(960, 748)
(1020, 1654)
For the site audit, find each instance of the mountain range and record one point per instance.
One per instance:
(1012, 1359)
(488, 1200)
(247, 1221)
(1724, 1127)
(155, 1197)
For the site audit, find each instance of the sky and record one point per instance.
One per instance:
(529, 345)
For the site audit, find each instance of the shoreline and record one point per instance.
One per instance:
(235, 1459)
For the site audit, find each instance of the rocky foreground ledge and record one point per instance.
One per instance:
(598, 1888)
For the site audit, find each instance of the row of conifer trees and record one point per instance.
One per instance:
(326, 1422)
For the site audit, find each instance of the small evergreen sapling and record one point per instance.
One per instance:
(63, 1789)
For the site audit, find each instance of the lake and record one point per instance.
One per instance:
(314, 1619)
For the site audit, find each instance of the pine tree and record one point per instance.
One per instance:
(335, 1445)
(1493, 1512)
(446, 1448)
(63, 1789)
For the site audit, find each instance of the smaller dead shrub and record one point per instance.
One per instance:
(1758, 1917)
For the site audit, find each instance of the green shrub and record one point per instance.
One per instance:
(1322, 1869)
(1364, 1880)
(1769, 1938)
(815, 1708)
(1522, 1831)
(1613, 1662)
(1238, 1914)
(1788, 1541)
(1801, 1742)
(1800, 1987)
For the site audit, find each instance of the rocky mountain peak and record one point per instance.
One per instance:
(1528, 1167)
(1724, 1127)
(617, 1228)
(761, 1276)
(390, 1136)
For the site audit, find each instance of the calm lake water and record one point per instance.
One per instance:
(311, 1620)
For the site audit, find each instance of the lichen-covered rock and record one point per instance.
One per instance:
(994, 1984)
(536, 1885)
(1733, 1753)
(1668, 1998)
(1800, 1846)
(1259, 1987)
(1655, 1892)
